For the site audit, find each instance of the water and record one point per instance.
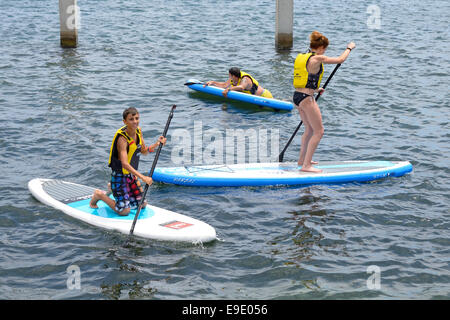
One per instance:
(389, 100)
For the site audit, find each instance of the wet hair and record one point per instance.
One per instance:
(317, 40)
(131, 110)
(235, 71)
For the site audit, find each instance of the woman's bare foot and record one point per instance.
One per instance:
(95, 198)
(312, 162)
(311, 169)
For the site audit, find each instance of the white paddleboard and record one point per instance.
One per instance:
(153, 222)
(269, 174)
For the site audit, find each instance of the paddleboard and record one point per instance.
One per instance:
(240, 96)
(153, 222)
(270, 174)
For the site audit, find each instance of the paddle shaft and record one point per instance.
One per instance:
(281, 156)
(152, 170)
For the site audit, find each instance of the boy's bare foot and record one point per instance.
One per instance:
(95, 198)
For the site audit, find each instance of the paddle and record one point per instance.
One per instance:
(193, 81)
(151, 171)
(281, 156)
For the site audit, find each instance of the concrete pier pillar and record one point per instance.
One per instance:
(284, 24)
(69, 19)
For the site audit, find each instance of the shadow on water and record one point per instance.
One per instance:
(132, 285)
(125, 279)
(306, 221)
(134, 290)
(129, 265)
(305, 240)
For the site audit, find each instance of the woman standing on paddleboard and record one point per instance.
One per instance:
(308, 72)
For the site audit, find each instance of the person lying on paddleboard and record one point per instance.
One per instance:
(308, 72)
(241, 81)
(127, 146)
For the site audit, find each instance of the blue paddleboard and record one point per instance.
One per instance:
(240, 96)
(269, 174)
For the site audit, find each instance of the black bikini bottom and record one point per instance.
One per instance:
(299, 96)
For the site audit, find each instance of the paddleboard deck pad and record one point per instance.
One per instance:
(270, 174)
(240, 96)
(153, 222)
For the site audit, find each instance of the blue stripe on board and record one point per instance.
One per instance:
(106, 212)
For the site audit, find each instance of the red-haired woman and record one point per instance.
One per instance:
(308, 72)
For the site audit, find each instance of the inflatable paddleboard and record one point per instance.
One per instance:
(270, 174)
(240, 96)
(153, 222)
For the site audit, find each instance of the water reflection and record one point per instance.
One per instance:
(134, 290)
(301, 244)
(134, 284)
(68, 91)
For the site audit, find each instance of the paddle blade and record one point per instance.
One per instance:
(192, 81)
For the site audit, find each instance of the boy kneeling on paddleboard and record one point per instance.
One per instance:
(126, 148)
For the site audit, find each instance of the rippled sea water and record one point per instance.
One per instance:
(389, 100)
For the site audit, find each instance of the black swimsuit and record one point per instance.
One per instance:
(253, 88)
(299, 97)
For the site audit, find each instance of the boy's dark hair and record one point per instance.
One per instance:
(130, 110)
(235, 71)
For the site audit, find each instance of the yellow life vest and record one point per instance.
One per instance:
(302, 78)
(254, 86)
(133, 150)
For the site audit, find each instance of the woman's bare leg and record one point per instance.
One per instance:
(307, 134)
(314, 117)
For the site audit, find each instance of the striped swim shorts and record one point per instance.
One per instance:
(126, 190)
